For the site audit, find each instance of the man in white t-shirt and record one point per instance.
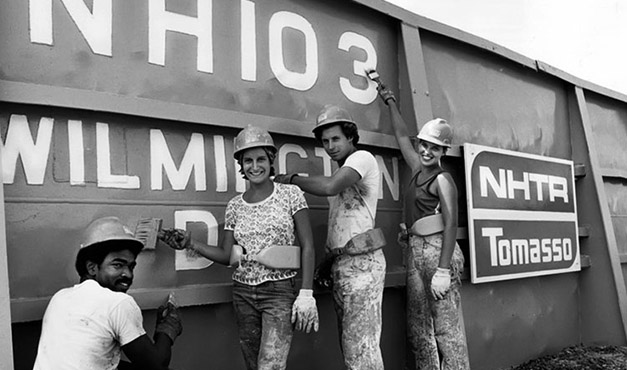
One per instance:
(358, 268)
(86, 326)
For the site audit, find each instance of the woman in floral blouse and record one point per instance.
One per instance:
(264, 298)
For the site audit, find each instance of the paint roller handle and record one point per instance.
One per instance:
(385, 93)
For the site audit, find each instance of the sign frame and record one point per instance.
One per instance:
(548, 206)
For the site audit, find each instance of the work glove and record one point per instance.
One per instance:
(440, 283)
(284, 178)
(403, 237)
(168, 320)
(403, 241)
(304, 311)
(323, 277)
(385, 93)
(176, 238)
(237, 255)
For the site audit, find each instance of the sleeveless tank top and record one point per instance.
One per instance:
(420, 201)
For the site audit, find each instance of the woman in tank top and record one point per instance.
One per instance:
(435, 261)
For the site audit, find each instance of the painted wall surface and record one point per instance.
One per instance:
(493, 102)
(609, 125)
(272, 62)
(283, 59)
(60, 174)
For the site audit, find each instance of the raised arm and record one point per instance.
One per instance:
(410, 155)
(398, 124)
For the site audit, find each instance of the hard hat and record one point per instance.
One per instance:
(437, 131)
(252, 137)
(109, 229)
(332, 114)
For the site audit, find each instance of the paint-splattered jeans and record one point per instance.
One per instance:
(434, 325)
(358, 283)
(263, 315)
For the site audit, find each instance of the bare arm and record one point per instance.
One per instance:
(220, 254)
(307, 252)
(145, 354)
(447, 192)
(328, 185)
(402, 137)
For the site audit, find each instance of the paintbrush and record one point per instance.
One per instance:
(147, 230)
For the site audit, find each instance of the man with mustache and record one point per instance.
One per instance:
(87, 326)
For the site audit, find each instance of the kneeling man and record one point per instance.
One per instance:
(87, 326)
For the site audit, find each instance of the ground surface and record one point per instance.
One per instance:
(581, 358)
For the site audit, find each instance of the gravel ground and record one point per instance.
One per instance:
(580, 358)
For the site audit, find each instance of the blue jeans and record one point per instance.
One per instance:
(263, 315)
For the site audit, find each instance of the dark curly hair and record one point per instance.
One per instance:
(96, 253)
(349, 129)
(270, 152)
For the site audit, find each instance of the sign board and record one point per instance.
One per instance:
(522, 214)
(124, 86)
(280, 59)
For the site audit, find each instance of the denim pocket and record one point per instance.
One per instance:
(287, 286)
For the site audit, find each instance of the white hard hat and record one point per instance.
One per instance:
(437, 131)
(252, 137)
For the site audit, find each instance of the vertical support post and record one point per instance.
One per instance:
(417, 74)
(608, 228)
(6, 340)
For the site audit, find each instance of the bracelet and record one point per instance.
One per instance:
(292, 178)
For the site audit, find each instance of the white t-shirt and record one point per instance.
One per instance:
(85, 326)
(352, 211)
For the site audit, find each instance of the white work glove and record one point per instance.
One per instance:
(304, 311)
(440, 283)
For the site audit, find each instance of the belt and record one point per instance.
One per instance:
(363, 243)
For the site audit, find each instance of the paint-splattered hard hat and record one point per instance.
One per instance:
(109, 229)
(252, 137)
(437, 131)
(331, 114)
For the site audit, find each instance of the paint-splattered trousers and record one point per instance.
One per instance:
(358, 283)
(434, 326)
(263, 315)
